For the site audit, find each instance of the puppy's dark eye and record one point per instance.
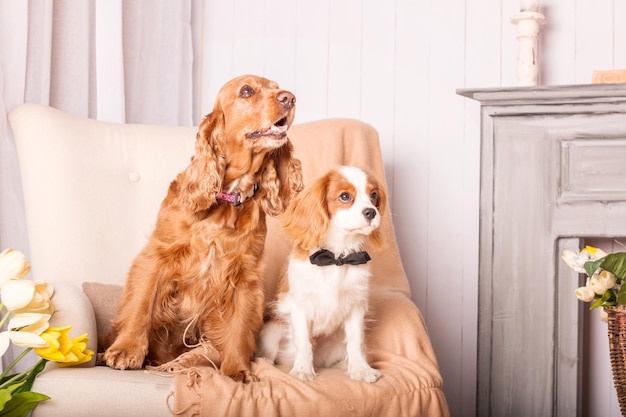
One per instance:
(374, 198)
(246, 91)
(345, 197)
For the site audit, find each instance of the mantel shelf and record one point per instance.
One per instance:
(578, 93)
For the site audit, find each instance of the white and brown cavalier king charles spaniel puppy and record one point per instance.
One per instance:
(318, 316)
(197, 280)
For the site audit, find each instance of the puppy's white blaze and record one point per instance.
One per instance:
(355, 176)
(349, 227)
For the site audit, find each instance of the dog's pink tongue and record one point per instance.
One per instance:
(276, 130)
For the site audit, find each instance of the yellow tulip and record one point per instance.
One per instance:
(25, 296)
(13, 265)
(64, 350)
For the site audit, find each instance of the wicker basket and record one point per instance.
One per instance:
(617, 351)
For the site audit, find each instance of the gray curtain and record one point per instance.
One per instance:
(116, 60)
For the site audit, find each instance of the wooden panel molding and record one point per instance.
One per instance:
(593, 169)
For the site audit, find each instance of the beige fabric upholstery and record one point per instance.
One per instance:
(92, 190)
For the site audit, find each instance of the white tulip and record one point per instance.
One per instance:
(25, 296)
(607, 279)
(604, 316)
(596, 285)
(585, 294)
(4, 342)
(13, 265)
(25, 328)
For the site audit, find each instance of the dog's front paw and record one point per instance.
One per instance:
(238, 371)
(120, 358)
(244, 376)
(367, 374)
(304, 373)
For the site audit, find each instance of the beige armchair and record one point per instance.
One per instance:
(92, 190)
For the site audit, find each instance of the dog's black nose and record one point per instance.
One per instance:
(286, 99)
(369, 213)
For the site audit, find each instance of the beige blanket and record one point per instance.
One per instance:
(399, 348)
(397, 340)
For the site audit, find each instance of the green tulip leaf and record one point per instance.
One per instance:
(23, 403)
(6, 394)
(615, 263)
(30, 378)
(621, 295)
(597, 303)
(605, 300)
(8, 378)
(592, 266)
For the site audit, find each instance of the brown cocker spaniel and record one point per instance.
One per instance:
(198, 278)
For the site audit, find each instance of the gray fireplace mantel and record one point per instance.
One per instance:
(553, 172)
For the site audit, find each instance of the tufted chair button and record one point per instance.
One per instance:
(134, 176)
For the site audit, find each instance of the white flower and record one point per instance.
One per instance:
(577, 260)
(25, 296)
(585, 294)
(13, 265)
(596, 286)
(594, 253)
(24, 330)
(604, 316)
(606, 279)
(573, 260)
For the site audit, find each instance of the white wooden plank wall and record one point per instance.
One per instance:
(396, 65)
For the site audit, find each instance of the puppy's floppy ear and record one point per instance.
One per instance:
(376, 237)
(281, 180)
(307, 218)
(202, 180)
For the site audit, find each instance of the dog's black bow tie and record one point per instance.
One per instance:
(325, 257)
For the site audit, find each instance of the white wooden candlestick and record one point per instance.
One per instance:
(527, 22)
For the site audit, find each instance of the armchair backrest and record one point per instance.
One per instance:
(92, 189)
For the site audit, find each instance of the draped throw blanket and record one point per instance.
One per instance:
(396, 340)
(410, 385)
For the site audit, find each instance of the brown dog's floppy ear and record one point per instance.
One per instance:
(202, 180)
(307, 218)
(281, 180)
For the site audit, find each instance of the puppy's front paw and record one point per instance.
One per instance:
(304, 373)
(367, 374)
(125, 358)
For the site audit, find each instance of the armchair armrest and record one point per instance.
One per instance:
(72, 308)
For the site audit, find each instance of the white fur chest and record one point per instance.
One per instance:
(325, 294)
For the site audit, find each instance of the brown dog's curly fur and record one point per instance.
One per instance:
(197, 279)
